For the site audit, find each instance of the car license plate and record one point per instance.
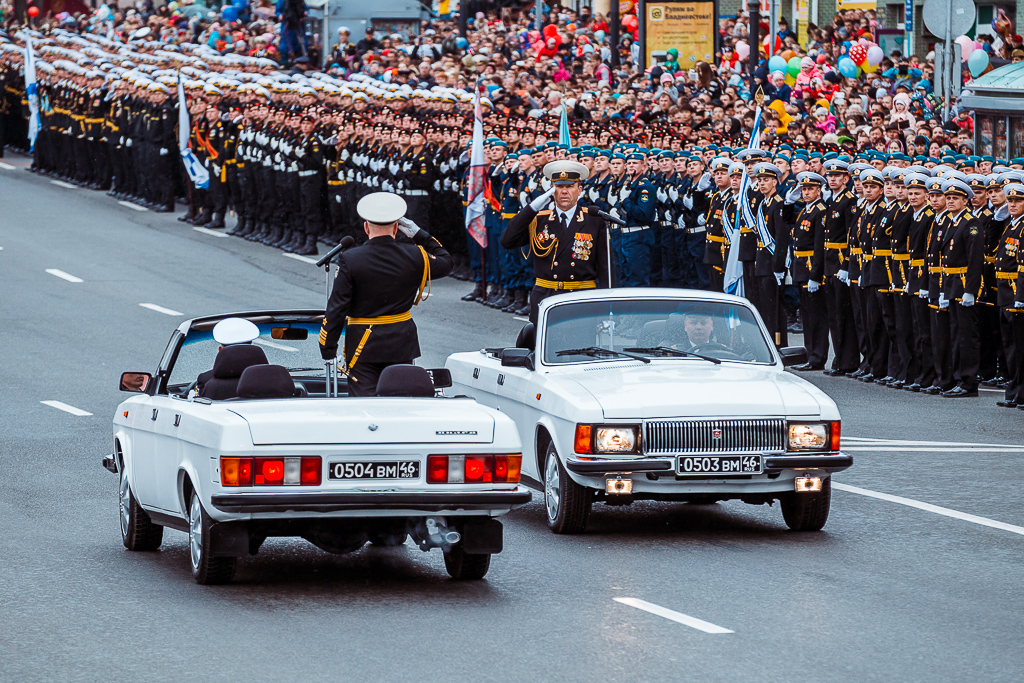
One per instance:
(402, 469)
(719, 464)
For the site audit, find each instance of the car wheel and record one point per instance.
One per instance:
(463, 566)
(383, 539)
(206, 569)
(138, 532)
(807, 511)
(567, 503)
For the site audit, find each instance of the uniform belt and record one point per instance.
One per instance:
(335, 182)
(804, 253)
(917, 262)
(954, 271)
(1006, 276)
(716, 238)
(635, 228)
(697, 229)
(506, 216)
(934, 269)
(856, 250)
(901, 257)
(883, 252)
(553, 284)
(306, 174)
(382, 319)
(744, 231)
(990, 259)
(836, 245)
(94, 120)
(415, 193)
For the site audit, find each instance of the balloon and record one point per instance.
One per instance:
(875, 55)
(977, 63)
(787, 54)
(462, 43)
(790, 80)
(847, 68)
(868, 67)
(230, 13)
(966, 47)
(793, 67)
(33, 11)
(630, 22)
(865, 42)
(858, 54)
(551, 31)
(777, 63)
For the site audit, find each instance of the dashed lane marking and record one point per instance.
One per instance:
(274, 345)
(678, 617)
(63, 276)
(928, 507)
(161, 309)
(900, 443)
(130, 205)
(298, 257)
(521, 318)
(207, 231)
(6, 166)
(61, 183)
(77, 412)
(932, 449)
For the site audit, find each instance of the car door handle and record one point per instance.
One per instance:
(501, 379)
(155, 411)
(177, 420)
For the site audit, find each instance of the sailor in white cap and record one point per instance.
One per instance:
(229, 332)
(378, 283)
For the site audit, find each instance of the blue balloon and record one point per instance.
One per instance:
(230, 14)
(462, 43)
(847, 68)
(977, 62)
(777, 63)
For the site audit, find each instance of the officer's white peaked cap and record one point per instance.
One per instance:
(381, 208)
(235, 331)
(565, 171)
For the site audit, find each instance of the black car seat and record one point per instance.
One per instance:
(228, 367)
(405, 380)
(527, 338)
(651, 335)
(266, 381)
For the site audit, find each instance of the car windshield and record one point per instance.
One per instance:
(199, 350)
(687, 329)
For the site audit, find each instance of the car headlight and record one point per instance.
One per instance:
(820, 436)
(607, 439)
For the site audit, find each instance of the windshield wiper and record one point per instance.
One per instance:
(598, 351)
(669, 351)
(304, 369)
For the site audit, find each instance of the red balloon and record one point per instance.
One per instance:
(630, 22)
(551, 31)
(33, 11)
(858, 54)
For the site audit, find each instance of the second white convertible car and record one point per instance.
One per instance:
(659, 394)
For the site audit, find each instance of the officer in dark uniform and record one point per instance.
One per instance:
(772, 247)
(1009, 272)
(569, 243)
(921, 221)
(809, 269)
(377, 285)
(838, 221)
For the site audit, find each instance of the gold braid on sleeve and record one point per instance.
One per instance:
(539, 249)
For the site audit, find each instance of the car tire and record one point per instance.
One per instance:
(383, 539)
(566, 503)
(463, 566)
(138, 532)
(807, 511)
(206, 569)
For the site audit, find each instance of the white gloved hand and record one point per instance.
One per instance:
(337, 198)
(661, 195)
(673, 193)
(844, 277)
(299, 151)
(615, 213)
(437, 186)
(943, 301)
(968, 299)
(1018, 304)
(163, 151)
(542, 201)
(128, 142)
(593, 194)
(779, 277)
(624, 192)
(794, 195)
(681, 222)
(702, 220)
(923, 293)
(812, 286)
(408, 228)
(704, 183)
(386, 186)
(688, 201)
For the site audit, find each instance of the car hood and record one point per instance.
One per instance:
(685, 388)
(366, 421)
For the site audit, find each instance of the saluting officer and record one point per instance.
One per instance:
(1010, 295)
(378, 283)
(567, 241)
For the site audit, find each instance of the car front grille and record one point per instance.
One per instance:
(714, 436)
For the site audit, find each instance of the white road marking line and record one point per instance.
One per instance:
(61, 183)
(207, 231)
(6, 166)
(998, 391)
(274, 345)
(678, 617)
(132, 206)
(299, 257)
(77, 412)
(63, 276)
(161, 309)
(928, 507)
(901, 449)
(944, 444)
(521, 318)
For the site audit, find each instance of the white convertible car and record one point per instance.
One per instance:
(659, 394)
(263, 451)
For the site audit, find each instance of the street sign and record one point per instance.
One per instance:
(935, 13)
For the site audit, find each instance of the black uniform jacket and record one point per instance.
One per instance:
(766, 263)
(963, 250)
(575, 254)
(1008, 253)
(381, 278)
(809, 243)
(840, 217)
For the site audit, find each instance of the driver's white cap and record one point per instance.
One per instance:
(235, 331)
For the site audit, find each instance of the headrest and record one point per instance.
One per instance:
(266, 381)
(405, 380)
(232, 360)
(527, 338)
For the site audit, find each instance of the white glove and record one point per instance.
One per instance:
(386, 186)
(274, 143)
(299, 151)
(163, 151)
(613, 198)
(844, 277)
(593, 194)
(337, 197)
(437, 186)
(968, 299)
(779, 277)
(614, 212)
(704, 183)
(688, 201)
(661, 195)
(1018, 304)
(794, 195)
(681, 222)
(673, 193)
(702, 220)
(922, 293)
(624, 192)
(542, 201)
(408, 228)
(943, 301)
(812, 286)
(128, 142)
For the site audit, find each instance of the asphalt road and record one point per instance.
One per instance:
(894, 589)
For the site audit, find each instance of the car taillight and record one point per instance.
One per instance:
(272, 471)
(834, 441)
(474, 469)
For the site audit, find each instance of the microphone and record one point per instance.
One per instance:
(606, 216)
(346, 242)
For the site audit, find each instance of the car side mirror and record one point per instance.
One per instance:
(135, 382)
(517, 358)
(441, 378)
(793, 355)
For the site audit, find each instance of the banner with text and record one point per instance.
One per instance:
(689, 27)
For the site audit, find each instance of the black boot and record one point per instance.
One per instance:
(239, 227)
(297, 241)
(525, 308)
(506, 299)
(307, 247)
(476, 294)
(218, 220)
(494, 294)
(518, 301)
(287, 236)
(203, 218)
(273, 237)
(188, 217)
(254, 234)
